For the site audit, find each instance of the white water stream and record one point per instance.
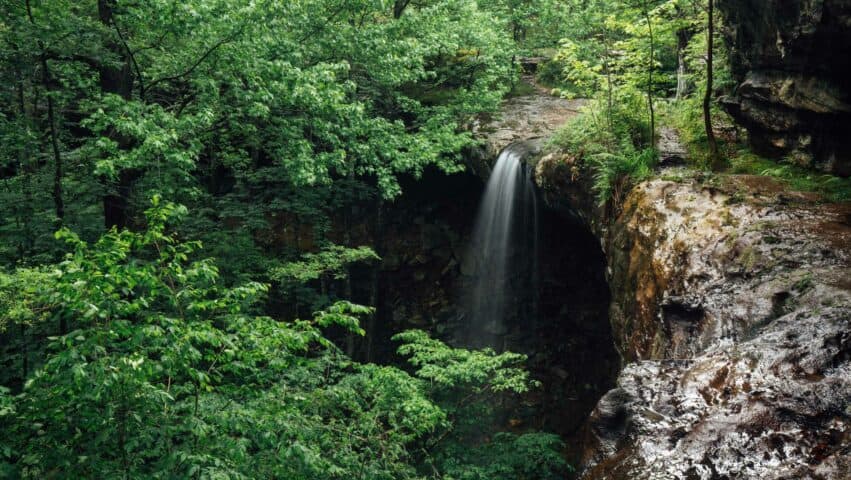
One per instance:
(504, 245)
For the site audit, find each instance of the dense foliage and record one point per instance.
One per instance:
(223, 105)
(166, 373)
(628, 59)
(644, 66)
(277, 124)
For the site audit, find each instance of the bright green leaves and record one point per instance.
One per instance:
(19, 296)
(448, 367)
(623, 58)
(134, 358)
(166, 373)
(318, 269)
(383, 411)
(510, 457)
(343, 314)
(583, 75)
(268, 107)
(146, 137)
(152, 336)
(615, 152)
(470, 385)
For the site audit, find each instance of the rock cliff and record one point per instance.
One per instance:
(731, 307)
(791, 63)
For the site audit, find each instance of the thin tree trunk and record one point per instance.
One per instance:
(609, 85)
(114, 80)
(58, 202)
(714, 157)
(25, 212)
(650, 75)
(350, 336)
(347, 240)
(682, 42)
(25, 355)
(373, 292)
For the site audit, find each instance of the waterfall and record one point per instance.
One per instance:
(504, 251)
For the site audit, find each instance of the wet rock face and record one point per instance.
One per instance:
(793, 93)
(731, 302)
(529, 118)
(423, 244)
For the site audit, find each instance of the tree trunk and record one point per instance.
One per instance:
(374, 284)
(650, 76)
(119, 81)
(116, 202)
(683, 37)
(58, 202)
(714, 157)
(399, 8)
(609, 84)
(347, 242)
(25, 213)
(25, 354)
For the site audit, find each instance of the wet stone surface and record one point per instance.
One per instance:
(731, 306)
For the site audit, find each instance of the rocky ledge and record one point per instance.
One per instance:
(789, 58)
(732, 312)
(530, 118)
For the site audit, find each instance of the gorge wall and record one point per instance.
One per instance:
(427, 269)
(791, 64)
(731, 307)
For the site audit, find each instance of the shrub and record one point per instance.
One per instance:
(614, 145)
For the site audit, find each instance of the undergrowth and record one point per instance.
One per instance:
(616, 150)
(686, 116)
(615, 147)
(831, 187)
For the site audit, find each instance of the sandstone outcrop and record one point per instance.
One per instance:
(791, 63)
(731, 307)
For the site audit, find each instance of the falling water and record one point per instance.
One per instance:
(504, 249)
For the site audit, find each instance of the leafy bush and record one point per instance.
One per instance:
(509, 457)
(468, 385)
(550, 73)
(614, 174)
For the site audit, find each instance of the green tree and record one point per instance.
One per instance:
(165, 372)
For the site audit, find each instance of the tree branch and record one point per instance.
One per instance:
(132, 60)
(198, 62)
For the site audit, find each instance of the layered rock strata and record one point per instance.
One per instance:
(791, 63)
